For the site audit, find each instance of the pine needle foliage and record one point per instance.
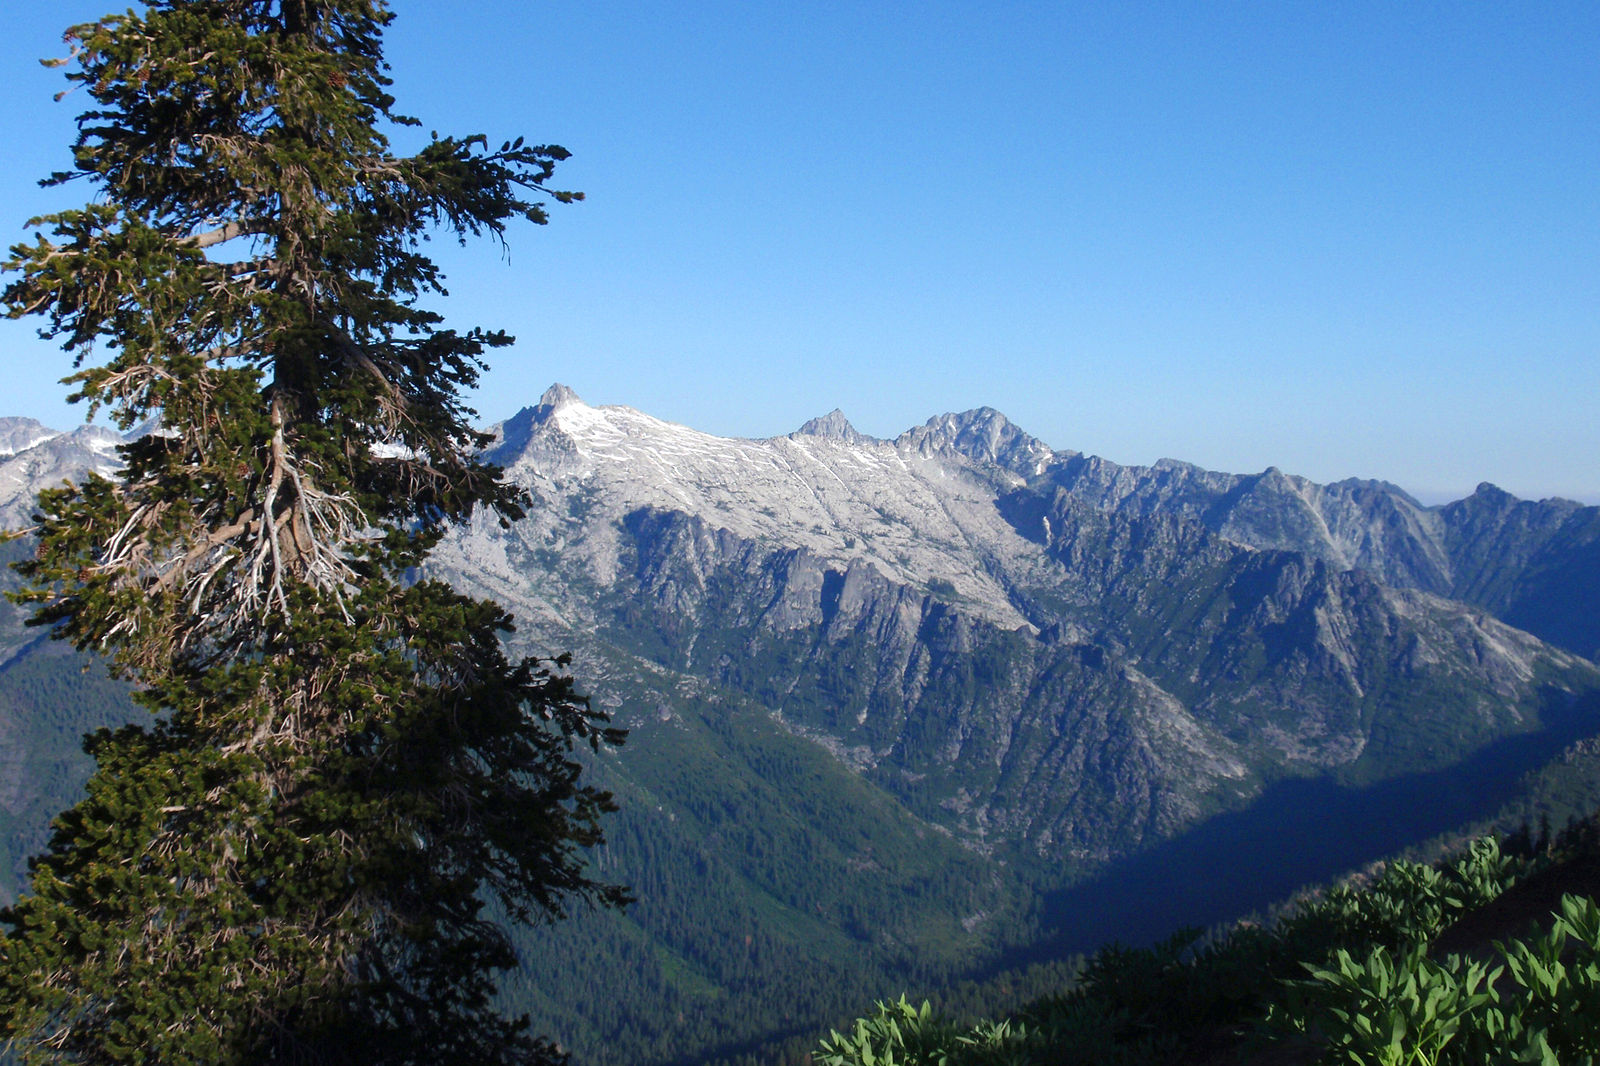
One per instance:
(293, 862)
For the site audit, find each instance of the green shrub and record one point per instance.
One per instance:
(899, 1034)
(1347, 979)
(1540, 1003)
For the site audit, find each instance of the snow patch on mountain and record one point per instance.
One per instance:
(918, 514)
(45, 458)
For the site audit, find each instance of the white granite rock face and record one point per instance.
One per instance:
(1038, 637)
(917, 509)
(934, 546)
(33, 457)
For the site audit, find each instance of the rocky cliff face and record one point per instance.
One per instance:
(1028, 649)
(883, 693)
(1537, 565)
(33, 457)
(1517, 558)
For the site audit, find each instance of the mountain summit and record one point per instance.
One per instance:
(34, 457)
(835, 426)
(1203, 632)
(984, 435)
(881, 693)
(558, 396)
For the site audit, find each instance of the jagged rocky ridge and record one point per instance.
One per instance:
(882, 693)
(1031, 649)
(33, 457)
(1534, 564)
(1027, 648)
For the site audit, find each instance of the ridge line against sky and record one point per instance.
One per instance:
(1346, 240)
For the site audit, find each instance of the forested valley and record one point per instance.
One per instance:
(336, 725)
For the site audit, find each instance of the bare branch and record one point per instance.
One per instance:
(231, 231)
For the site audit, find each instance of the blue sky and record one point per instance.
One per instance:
(1356, 239)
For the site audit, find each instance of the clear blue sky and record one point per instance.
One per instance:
(1353, 239)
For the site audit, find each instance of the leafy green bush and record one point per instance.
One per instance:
(1345, 979)
(1410, 903)
(1555, 984)
(899, 1034)
(1539, 1004)
(1388, 1009)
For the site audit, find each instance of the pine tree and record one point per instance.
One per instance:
(345, 775)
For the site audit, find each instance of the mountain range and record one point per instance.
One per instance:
(907, 710)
